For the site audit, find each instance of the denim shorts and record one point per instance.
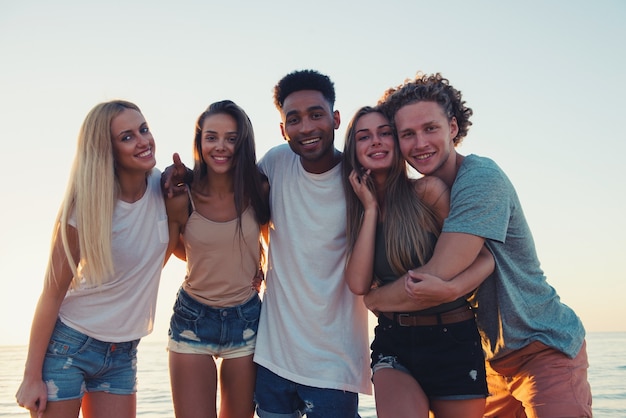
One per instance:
(277, 397)
(76, 363)
(446, 360)
(196, 328)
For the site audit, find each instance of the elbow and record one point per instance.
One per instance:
(358, 290)
(356, 284)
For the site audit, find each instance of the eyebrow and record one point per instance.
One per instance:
(384, 125)
(123, 133)
(211, 131)
(130, 130)
(308, 110)
(427, 123)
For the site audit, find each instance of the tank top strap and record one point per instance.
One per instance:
(193, 205)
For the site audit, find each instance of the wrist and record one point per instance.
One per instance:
(371, 210)
(32, 375)
(451, 290)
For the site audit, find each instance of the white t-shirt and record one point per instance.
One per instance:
(313, 329)
(123, 307)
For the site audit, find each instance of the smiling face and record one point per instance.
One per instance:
(374, 142)
(426, 138)
(133, 144)
(309, 126)
(218, 140)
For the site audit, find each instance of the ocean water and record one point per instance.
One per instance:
(607, 375)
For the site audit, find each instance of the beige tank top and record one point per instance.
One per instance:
(221, 260)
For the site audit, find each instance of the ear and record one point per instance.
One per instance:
(336, 119)
(282, 132)
(454, 128)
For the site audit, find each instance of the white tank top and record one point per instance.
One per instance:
(123, 307)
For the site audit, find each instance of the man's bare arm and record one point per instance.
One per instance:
(454, 267)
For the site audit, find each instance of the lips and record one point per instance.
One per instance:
(146, 153)
(220, 158)
(309, 143)
(422, 157)
(378, 154)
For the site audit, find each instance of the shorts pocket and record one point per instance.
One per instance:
(251, 310)
(133, 349)
(62, 344)
(184, 311)
(464, 332)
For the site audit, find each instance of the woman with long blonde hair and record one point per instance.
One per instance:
(99, 296)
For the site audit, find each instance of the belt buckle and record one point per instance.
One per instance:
(400, 317)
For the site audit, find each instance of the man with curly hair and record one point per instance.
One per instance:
(534, 344)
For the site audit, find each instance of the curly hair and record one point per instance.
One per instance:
(432, 88)
(304, 80)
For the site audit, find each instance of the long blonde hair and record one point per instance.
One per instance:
(90, 196)
(409, 222)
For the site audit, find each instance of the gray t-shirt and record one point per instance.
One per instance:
(515, 305)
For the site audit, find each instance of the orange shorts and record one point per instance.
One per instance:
(538, 382)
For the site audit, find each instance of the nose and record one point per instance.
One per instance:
(418, 141)
(307, 125)
(144, 139)
(220, 145)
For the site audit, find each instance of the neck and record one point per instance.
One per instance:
(379, 180)
(218, 184)
(448, 172)
(132, 187)
(322, 165)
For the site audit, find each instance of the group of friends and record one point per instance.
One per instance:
(467, 324)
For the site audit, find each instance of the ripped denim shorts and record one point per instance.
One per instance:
(196, 328)
(76, 363)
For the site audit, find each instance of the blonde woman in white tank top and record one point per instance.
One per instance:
(100, 288)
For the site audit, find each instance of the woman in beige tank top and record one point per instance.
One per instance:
(220, 222)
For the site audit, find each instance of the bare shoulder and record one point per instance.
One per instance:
(430, 189)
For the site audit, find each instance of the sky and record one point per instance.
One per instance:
(544, 78)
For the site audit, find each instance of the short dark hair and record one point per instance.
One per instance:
(304, 80)
(429, 88)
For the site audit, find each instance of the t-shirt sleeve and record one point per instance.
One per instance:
(480, 204)
(262, 164)
(268, 161)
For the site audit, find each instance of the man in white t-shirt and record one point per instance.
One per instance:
(312, 343)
